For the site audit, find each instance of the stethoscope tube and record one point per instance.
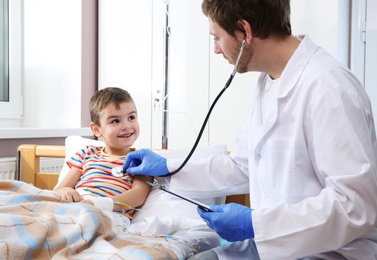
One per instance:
(119, 171)
(227, 84)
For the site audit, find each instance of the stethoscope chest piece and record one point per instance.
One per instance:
(117, 172)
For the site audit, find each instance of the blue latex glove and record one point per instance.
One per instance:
(231, 221)
(145, 162)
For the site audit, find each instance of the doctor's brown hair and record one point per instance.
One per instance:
(266, 17)
(104, 97)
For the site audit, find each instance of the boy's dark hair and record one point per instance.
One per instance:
(266, 17)
(104, 97)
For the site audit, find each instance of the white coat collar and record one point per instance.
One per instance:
(288, 80)
(296, 65)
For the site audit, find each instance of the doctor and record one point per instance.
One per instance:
(307, 152)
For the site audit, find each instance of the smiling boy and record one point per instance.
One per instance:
(114, 120)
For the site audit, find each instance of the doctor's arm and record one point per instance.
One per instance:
(221, 174)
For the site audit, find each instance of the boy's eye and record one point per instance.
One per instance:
(115, 121)
(133, 117)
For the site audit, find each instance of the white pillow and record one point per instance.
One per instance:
(158, 203)
(73, 144)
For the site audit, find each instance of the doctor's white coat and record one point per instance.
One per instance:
(310, 167)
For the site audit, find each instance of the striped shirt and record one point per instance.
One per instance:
(96, 178)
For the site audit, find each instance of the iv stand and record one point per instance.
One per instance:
(165, 118)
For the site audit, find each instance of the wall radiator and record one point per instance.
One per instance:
(8, 166)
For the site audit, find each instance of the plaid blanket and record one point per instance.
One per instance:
(34, 224)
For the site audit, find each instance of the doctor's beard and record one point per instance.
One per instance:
(245, 59)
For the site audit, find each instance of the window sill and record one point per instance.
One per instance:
(25, 132)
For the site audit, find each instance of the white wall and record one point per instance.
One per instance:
(319, 20)
(52, 63)
(189, 75)
(125, 55)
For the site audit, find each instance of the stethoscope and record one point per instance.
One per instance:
(119, 171)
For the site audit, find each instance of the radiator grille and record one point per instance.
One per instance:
(51, 164)
(8, 166)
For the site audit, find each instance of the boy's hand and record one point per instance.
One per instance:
(69, 194)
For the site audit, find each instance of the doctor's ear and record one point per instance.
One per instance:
(246, 29)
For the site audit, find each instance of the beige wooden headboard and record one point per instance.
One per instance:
(29, 156)
(29, 164)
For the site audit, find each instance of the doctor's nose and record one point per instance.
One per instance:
(217, 48)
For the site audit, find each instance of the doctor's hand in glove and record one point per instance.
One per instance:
(231, 221)
(145, 162)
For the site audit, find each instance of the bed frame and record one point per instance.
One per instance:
(29, 156)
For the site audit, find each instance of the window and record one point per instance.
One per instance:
(10, 63)
(4, 87)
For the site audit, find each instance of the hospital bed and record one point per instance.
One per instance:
(38, 225)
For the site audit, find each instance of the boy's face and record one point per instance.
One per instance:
(119, 128)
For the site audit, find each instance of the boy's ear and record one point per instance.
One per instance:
(95, 129)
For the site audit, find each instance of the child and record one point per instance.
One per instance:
(114, 120)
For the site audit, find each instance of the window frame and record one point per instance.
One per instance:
(4, 47)
(358, 39)
(11, 111)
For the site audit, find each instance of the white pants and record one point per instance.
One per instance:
(237, 250)
(247, 250)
